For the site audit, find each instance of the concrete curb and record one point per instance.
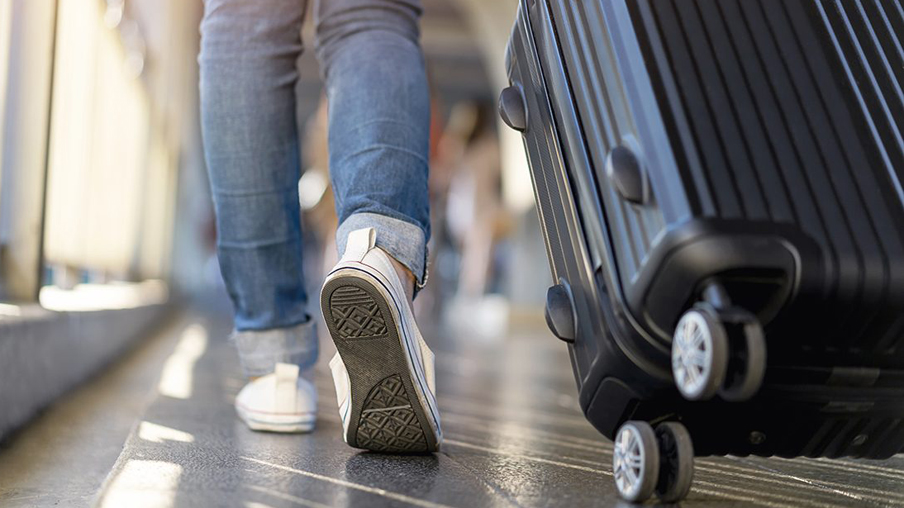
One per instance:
(44, 353)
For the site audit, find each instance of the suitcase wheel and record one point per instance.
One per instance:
(699, 354)
(644, 461)
(718, 350)
(747, 359)
(635, 461)
(676, 462)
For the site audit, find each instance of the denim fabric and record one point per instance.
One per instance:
(260, 350)
(399, 238)
(379, 111)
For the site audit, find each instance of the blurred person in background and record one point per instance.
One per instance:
(315, 192)
(378, 118)
(471, 217)
(476, 217)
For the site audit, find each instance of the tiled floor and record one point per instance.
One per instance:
(514, 437)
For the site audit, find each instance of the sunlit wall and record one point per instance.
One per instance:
(115, 146)
(99, 141)
(6, 9)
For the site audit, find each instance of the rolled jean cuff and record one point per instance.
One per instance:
(260, 350)
(402, 240)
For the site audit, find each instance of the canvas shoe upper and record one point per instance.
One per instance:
(279, 402)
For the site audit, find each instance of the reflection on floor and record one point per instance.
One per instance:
(514, 437)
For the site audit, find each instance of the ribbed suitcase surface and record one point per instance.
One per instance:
(791, 112)
(780, 118)
(780, 111)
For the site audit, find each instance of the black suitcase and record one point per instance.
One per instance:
(719, 184)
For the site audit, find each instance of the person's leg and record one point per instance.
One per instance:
(248, 59)
(379, 123)
(379, 113)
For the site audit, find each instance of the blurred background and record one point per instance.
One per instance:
(105, 213)
(102, 169)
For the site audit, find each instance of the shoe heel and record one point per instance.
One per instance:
(386, 414)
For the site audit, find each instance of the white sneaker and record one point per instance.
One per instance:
(279, 402)
(383, 370)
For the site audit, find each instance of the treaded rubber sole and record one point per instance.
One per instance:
(386, 414)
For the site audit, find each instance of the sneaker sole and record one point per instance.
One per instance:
(386, 414)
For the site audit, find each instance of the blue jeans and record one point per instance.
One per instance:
(379, 116)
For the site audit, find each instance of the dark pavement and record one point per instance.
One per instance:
(514, 437)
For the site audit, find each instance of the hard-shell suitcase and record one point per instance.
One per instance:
(719, 184)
